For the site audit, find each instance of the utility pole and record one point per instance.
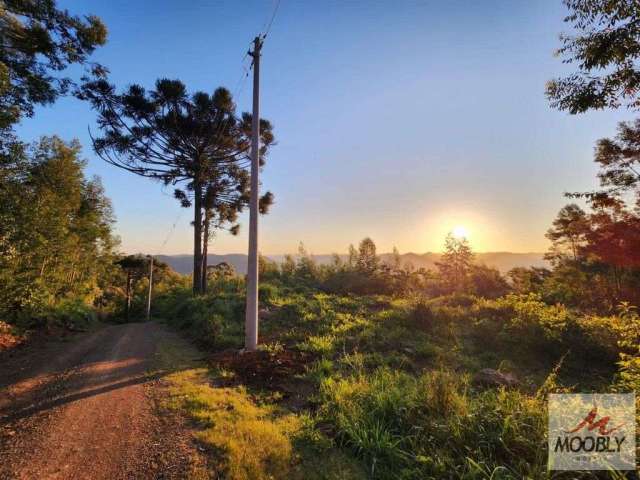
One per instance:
(150, 287)
(251, 319)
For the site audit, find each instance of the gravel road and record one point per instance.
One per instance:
(87, 408)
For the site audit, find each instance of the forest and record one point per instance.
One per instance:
(365, 368)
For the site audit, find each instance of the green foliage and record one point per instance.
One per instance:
(39, 40)
(70, 314)
(604, 46)
(364, 273)
(55, 240)
(455, 265)
(213, 320)
(430, 427)
(629, 342)
(387, 380)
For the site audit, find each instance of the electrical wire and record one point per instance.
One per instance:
(273, 17)
(170, 233)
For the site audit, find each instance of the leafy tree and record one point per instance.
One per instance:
(194, 142)
(55, 228)
(568, 232)
(267, 268)
(367, 261)
(527, 280)
(135, 267)
(288, 267)
(336, 262)
(222, 270)
(605, 46)
(614, 239)
(306, 266)
(595, 257)
(36, 41)
(455, 264)
(619, 163)
(487, 282)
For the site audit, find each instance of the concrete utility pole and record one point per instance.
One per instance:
(150, 287)
(251, 319)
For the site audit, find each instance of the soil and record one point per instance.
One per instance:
(88, 408)
(268, 371)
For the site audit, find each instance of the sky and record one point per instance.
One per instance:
(395, 120)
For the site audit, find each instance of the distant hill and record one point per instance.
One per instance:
(503, 261)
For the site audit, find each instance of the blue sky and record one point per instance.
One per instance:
(396, 120)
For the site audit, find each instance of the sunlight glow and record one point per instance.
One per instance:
(460, 232)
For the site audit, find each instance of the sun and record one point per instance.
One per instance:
(460, 232)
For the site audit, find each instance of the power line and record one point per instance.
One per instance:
(245, 70)
(273, 16)
(171, 230)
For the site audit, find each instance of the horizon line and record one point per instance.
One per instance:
(531, 252)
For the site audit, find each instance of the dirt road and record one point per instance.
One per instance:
(88, 408)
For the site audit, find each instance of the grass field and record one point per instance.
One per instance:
(382, 387)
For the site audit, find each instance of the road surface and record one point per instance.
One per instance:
(88, 408)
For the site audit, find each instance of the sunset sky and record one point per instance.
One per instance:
(395, 120)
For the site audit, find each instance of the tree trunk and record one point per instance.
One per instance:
(205, 251)
(197, 239)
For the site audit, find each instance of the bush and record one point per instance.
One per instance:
(214, 320)
(267, 293)
(72, 314)
(527, 320)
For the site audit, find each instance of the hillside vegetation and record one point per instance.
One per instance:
(387, 385)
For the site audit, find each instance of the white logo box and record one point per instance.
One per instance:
(592, 431)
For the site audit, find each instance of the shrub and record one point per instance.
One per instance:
(212, 319)
(73, 314)
(526, 319)
(267, 293)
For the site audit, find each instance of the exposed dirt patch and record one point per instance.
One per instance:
(268, 371)
(261, 368)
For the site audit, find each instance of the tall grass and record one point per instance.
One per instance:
(431, 426)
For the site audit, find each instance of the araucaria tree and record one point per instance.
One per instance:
(193, 142)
